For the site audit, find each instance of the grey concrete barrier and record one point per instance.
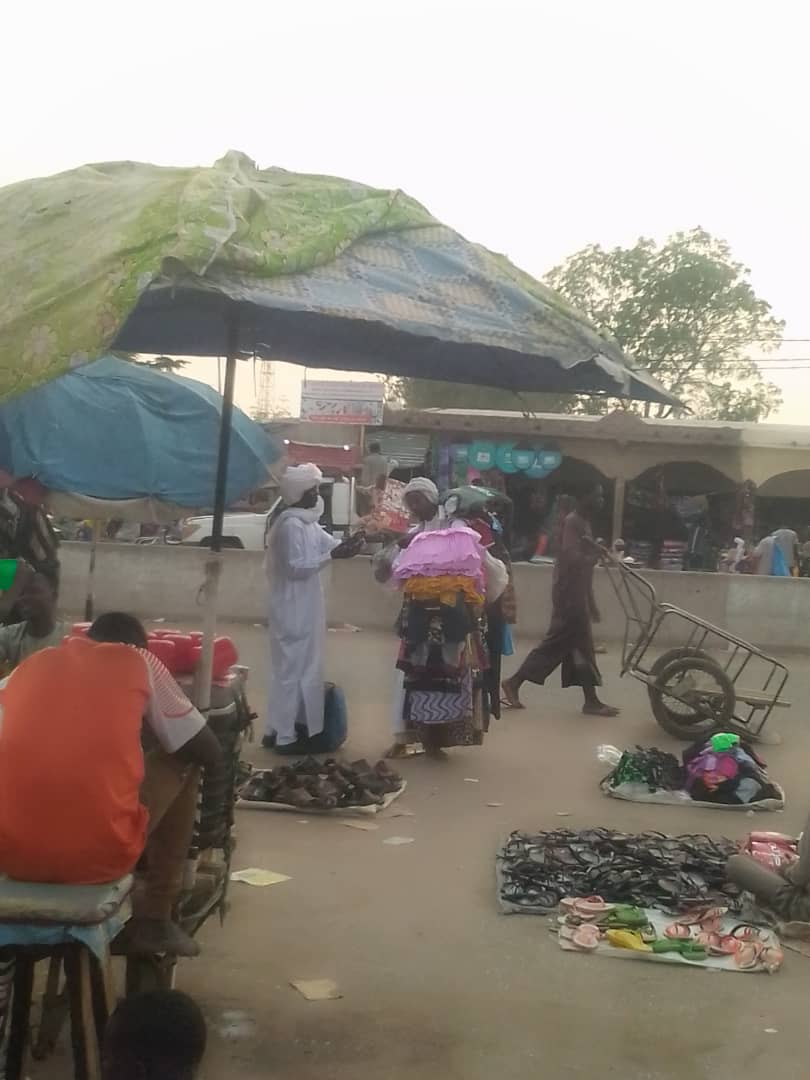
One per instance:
(163, 582)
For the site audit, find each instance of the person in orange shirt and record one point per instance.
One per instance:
(82, 798)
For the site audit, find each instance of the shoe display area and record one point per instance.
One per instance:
(649, 896)
(536, 871)
(313, 786)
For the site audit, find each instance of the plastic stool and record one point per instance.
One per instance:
(36, 923)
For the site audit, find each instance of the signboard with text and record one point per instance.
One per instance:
(332, 402)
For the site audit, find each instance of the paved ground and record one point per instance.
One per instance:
(435, 982)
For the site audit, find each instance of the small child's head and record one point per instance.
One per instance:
(158, 1035)
(120, 628)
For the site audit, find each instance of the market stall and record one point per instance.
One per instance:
(679, 516)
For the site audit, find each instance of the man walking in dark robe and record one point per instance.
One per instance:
(569, 639)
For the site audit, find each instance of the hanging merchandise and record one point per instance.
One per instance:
(536, 472)
(442, 455)
(549, 459)
(523, 459)
(505, 459)
(481, 455)
(545, 462)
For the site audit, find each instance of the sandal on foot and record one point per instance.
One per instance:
(600, 710)
(509, 697)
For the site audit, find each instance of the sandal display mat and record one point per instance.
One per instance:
(640, 792)
(660, 921)
(362, 811)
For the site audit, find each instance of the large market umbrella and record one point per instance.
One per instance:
(232, 260)
(113, 439)
(130, 441)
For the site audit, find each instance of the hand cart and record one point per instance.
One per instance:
(695, 687)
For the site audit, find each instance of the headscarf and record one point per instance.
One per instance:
(297, 480)
(424, 486)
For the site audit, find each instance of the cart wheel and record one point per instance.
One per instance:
(663, 661)
(692, 696)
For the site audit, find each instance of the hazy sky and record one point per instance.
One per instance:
(530, 126)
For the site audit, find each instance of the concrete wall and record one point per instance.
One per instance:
(163, 582)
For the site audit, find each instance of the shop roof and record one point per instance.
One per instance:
(619, 424)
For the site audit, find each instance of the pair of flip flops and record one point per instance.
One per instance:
(585, 937)
(624, 917)
(754, 950)
(585, 907)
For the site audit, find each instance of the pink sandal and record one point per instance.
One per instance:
(772, 958)
(586, 907)
(678, 931)
(747, 956)
(585, 937)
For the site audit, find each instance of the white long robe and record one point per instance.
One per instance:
(298, 548)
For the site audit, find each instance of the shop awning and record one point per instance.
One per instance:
(407, 449)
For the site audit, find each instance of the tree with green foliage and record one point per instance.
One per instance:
(686, 311)
(164, 363)
(159, 363)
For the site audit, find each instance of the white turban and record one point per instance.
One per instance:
(424, 487)
(297, 480)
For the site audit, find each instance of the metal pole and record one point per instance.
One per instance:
(213, 566)
(225, 435)
(90, 597)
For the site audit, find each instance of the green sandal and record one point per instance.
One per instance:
(689, 950)
(623, 917)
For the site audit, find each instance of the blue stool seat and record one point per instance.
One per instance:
(70, 926)
(68, 905)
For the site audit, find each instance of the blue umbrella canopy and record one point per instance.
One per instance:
(115, 430)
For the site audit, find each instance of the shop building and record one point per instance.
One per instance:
(747, 479)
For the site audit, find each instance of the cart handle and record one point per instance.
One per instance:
(609, 561)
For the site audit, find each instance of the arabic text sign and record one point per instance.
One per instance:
(333, 402)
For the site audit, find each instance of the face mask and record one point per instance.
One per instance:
(312, 513)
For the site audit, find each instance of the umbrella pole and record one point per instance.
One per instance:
(213, 565)
(90, 599)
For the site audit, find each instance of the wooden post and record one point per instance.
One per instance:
(86, 1056)
(618, 509)
(19, 1028)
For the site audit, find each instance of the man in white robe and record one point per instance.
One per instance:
(297, 550)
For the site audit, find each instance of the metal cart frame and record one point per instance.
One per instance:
(744, 710)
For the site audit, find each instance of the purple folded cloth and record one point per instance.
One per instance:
(442, 552)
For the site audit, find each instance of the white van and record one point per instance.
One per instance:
(247, 531)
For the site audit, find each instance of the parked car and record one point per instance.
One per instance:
(247, 531)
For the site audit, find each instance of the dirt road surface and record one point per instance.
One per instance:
(435, 982)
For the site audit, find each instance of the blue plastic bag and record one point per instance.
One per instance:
(779, 567)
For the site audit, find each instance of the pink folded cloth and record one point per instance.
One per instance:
(442, 552)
